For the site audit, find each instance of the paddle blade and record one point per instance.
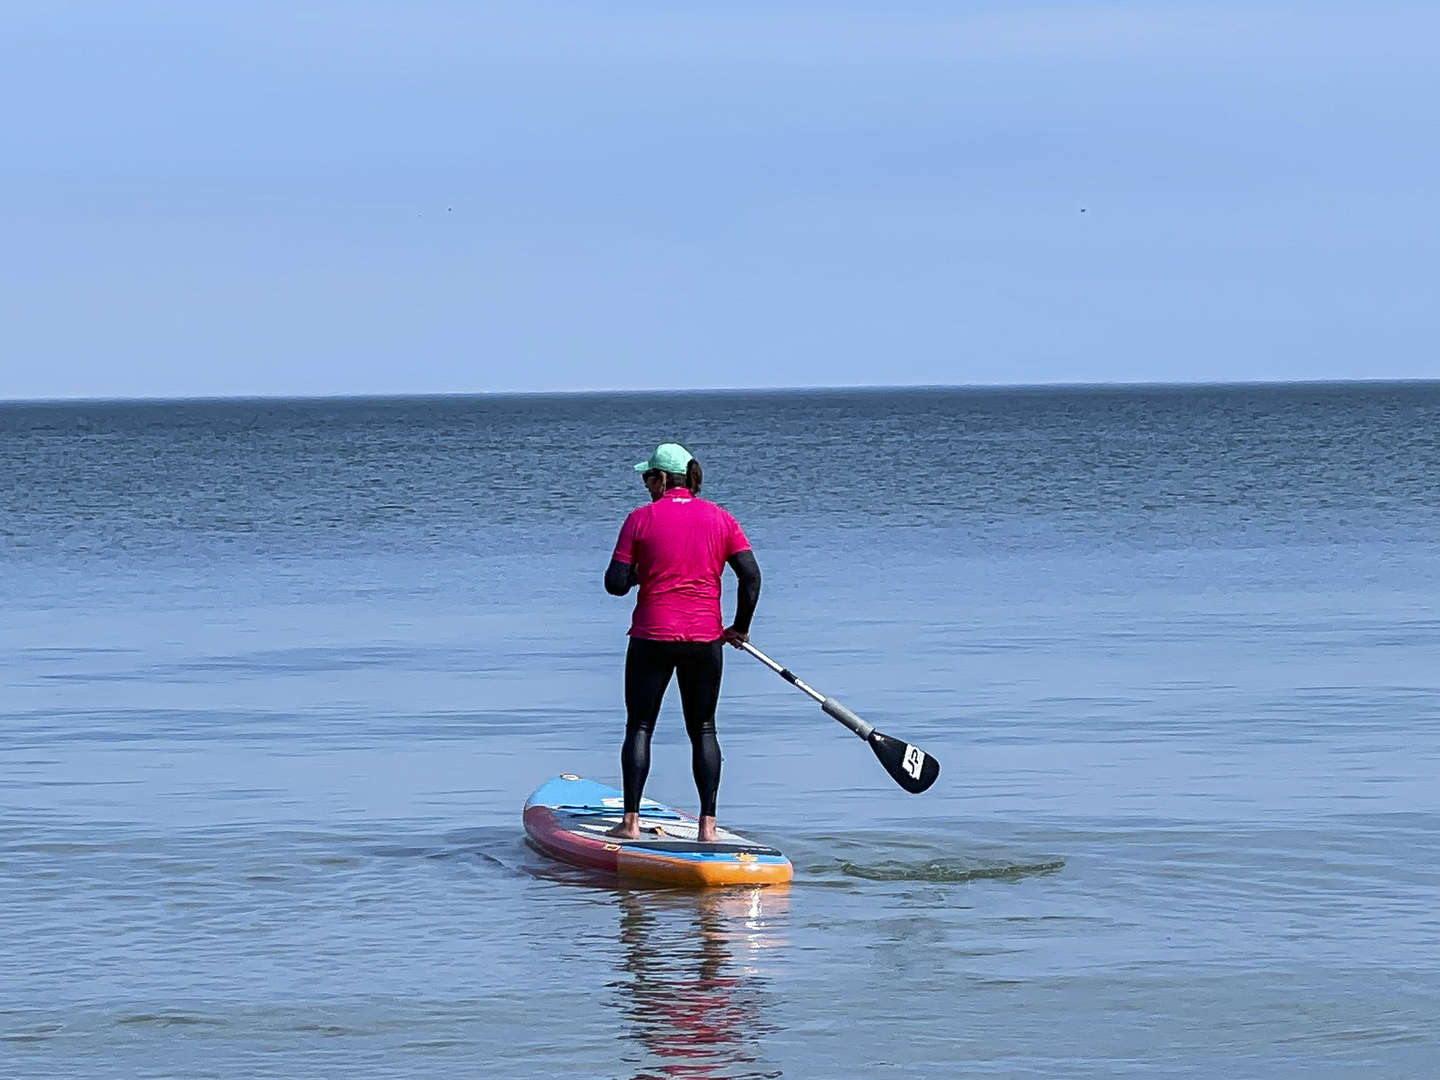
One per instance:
(908, 766)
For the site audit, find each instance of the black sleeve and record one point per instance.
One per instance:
(748, 571)
(620, 578)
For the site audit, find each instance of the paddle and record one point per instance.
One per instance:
(909, 766)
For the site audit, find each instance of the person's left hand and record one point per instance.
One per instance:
(735, 637)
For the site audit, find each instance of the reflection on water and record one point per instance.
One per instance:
(692, 980)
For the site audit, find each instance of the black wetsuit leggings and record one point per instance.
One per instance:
(648, 666)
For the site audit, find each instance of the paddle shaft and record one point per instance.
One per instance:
(908, 765)
(830, 705)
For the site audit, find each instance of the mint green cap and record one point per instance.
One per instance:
(668, 457)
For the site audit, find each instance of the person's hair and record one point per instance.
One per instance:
(691, 479)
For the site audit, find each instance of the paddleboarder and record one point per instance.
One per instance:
(676, 548)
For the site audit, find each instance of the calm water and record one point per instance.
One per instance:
(276, 677)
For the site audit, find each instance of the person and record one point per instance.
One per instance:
(675, 548)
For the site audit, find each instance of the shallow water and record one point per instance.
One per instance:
(276, 678)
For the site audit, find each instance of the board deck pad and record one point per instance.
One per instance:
(568, 817)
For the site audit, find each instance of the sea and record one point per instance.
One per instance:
(277, 676)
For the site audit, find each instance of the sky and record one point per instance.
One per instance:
(299, 198)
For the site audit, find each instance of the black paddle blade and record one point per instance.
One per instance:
(908, 766)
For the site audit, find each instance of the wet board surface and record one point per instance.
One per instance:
(568, 818)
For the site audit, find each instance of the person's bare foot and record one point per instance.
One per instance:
(628, 829)
(706, 831)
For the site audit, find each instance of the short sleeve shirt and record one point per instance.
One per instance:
(678, 545)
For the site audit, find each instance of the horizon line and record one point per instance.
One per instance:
(82, 399)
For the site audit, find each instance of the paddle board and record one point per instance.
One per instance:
(567, 817)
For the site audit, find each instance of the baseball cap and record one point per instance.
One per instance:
(668, 457)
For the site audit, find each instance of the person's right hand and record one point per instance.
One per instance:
(735, 637)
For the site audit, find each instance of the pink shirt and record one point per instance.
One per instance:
(678, 545)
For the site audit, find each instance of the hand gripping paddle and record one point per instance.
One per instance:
(909, 766)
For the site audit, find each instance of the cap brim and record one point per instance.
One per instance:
(642, 466)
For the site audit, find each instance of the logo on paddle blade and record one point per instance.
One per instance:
(914, 760)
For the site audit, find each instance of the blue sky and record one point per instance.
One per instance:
(431, 197)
